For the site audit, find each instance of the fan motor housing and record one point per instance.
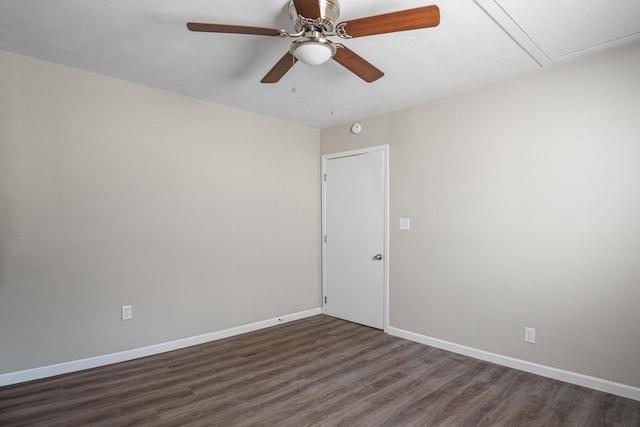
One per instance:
(329, 13)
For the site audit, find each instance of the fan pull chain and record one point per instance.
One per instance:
(331, 89)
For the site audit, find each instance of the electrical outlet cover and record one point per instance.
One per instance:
(530, 335)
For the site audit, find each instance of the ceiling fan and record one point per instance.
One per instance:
(315, 20)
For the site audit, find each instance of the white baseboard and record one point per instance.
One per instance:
(123, 356)
(599, 384)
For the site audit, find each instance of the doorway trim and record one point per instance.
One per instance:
(325, 158)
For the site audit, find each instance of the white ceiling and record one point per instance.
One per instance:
(477, 42)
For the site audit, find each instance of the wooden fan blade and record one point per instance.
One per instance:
(280, 69)
(236, 29)
(410, 19)
(357, 65)
(308, 8)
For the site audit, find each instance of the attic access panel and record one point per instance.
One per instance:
(552, 31)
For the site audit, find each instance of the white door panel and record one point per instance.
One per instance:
(355, 218)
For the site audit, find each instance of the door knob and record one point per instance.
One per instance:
(378, 257)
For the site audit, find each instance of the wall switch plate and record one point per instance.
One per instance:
(404, 224)
(127, 312)
(530, 335)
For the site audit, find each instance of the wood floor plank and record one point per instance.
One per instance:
(318, 371)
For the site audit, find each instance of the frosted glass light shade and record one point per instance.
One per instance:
(313, 53)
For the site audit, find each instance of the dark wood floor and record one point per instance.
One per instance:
(318, 371)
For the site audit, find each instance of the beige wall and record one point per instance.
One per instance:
(524, 199)
(201, 216)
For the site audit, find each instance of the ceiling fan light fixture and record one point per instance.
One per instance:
(314, 20)
(313, 50)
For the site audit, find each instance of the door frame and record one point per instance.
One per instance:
(386, 255)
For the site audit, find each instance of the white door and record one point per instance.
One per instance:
(355, 230)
